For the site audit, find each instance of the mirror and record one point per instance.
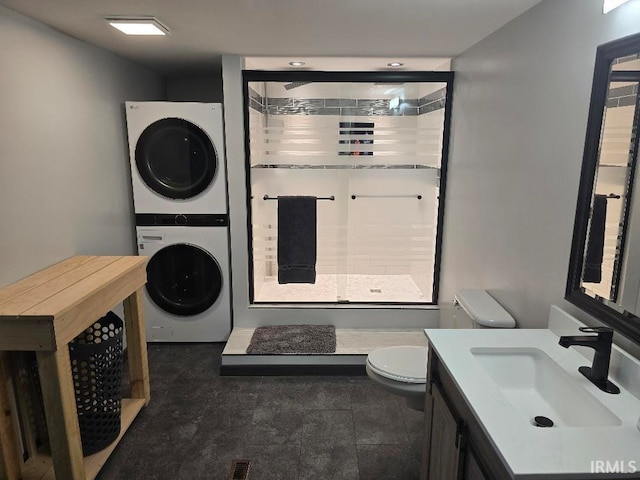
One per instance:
(604, 269)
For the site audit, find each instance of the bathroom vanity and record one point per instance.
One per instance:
(486, 387)
(454, 438)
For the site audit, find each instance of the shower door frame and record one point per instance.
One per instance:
(445, 77)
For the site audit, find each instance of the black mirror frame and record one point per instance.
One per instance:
(625, 322)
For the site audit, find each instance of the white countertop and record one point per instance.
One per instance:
(528, 451)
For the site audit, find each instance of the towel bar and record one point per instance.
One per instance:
(332, 198)
(419, 197)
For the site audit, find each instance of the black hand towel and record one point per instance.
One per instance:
(595, 243)
(297, 247)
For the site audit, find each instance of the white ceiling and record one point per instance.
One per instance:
(202, 30)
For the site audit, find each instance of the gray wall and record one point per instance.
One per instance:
(64, 180)
(519, 120)
(198, 88)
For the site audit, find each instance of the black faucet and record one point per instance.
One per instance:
(598, 373)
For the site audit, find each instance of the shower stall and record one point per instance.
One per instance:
(371, 147)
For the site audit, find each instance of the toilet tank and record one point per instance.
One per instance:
(483, 310)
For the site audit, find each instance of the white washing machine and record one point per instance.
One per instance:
(176, 152)
(187, 295)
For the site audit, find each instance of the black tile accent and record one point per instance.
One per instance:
(255, 96)
(328, 111)
(437, 95)
(256, 106)
(355, 112)
(623, 91)
(340, 102)
(356, 125)
(433, 106)
(280, 102)
(627, 101)
(409, 111)
(292, 370)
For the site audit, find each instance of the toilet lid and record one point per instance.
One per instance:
(404, 364)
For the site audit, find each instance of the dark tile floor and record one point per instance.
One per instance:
(292, 428)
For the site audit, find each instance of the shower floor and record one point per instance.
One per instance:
(352, 288)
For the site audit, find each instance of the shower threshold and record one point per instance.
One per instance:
(352, 347)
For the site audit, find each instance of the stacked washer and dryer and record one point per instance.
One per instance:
(177, 158)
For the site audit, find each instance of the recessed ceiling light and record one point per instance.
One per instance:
(395, 64)
(609, 5)
(138, 25)
(296, 64)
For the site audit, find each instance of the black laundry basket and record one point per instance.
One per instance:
(96, 366)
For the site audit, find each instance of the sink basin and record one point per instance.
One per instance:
(536, 385)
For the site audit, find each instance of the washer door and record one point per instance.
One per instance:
(175, 158)
(183, 279)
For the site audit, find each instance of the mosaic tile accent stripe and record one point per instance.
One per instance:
(344, 167)
(361, 107)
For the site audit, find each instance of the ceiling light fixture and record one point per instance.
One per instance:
(609, 5)
(138, 25)
(395, 64)
(296, 64)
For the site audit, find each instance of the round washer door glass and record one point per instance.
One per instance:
(175, 158)
(183, 279)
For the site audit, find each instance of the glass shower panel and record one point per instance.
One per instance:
(371, 153)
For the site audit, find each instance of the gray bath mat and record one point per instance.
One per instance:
(300, 339)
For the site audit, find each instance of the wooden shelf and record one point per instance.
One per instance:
(43, 313)
(40, 467)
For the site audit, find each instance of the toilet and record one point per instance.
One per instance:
(402, 370)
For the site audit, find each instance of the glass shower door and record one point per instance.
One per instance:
(371, 152)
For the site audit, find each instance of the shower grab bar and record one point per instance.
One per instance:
(332, 198)
(419, 197)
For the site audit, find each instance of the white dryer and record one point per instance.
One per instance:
(176, 152)
(187, 295)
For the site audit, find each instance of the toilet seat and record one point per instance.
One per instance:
(406, 364)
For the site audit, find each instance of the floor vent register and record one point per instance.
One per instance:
(240, 470)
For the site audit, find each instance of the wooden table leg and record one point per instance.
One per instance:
(10, 461)
(60, 410)
(137, 346)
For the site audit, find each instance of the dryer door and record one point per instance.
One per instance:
(175, 158)
(183, 279)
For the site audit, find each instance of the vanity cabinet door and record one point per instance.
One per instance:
(455, 445)
(472, 470)
(443, 440)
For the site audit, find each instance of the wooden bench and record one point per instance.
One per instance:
(43, 313)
